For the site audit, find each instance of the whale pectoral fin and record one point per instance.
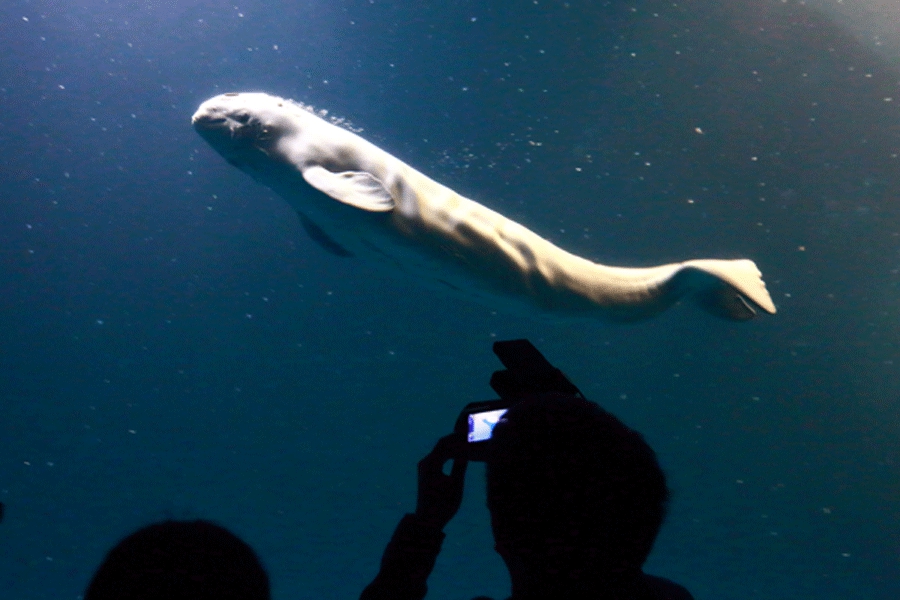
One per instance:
(356, 188)
(317, 235)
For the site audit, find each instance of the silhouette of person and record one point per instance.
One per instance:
(576, 501)
(180, 560)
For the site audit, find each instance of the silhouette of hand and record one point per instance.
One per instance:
(441, 495)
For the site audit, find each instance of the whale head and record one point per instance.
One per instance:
(238, 113)
(243, 127)
(272, 139)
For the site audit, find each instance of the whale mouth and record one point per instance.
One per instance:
(208, 121)
(211, 120)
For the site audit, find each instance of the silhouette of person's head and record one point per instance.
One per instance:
(576, 497)
(180, 560)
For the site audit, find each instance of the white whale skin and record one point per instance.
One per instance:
(357, 199)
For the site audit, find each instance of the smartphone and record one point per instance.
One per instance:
(481, 424)
(527, 373)
(477, 420)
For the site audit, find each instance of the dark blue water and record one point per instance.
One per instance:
(172, 344)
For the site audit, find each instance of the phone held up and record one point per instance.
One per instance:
(527, 374)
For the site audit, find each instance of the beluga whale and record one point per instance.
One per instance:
(355, 199)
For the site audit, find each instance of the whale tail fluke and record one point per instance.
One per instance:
(732, 289)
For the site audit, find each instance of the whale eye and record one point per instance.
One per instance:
(242, 118)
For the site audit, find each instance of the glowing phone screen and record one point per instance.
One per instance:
(481, 425)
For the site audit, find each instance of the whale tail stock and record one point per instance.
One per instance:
(732, 289)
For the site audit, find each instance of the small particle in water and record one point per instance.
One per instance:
(99, 321)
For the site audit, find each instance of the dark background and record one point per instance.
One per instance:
(172, 344)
